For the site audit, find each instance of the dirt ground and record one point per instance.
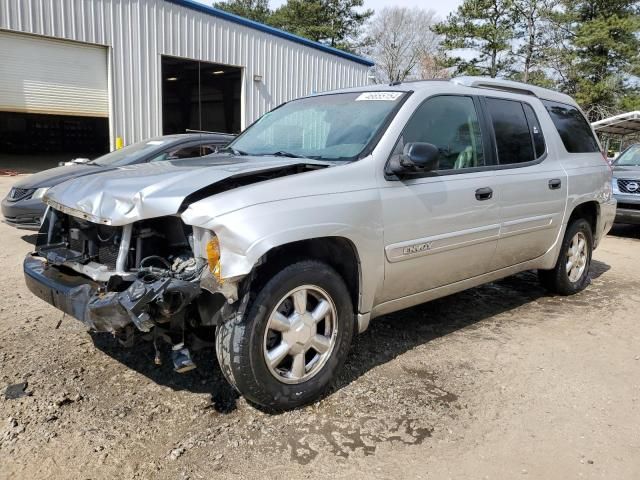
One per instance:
(502, 382)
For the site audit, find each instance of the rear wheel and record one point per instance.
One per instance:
(571, 272)
(295, 333)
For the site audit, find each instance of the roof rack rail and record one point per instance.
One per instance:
(515, 87)
(497, 84)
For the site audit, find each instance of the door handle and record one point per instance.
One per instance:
(484, 193)
(555, 183)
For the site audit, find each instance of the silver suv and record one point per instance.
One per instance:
(626, 185)
(327, 212)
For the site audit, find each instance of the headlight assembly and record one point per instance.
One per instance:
(39, 193)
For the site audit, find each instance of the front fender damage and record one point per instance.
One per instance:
(110, 299)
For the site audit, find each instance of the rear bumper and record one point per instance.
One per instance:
(23, 213)
(607, 216)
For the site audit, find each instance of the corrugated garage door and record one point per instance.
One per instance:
(41, 75)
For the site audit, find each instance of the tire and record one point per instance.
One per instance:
(559, 280)
(244, 343)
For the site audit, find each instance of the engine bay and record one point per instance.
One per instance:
(162, 244)
(142, 278)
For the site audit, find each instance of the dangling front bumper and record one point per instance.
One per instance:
(101, 310)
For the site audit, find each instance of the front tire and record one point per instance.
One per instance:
(571, 272)
(282, 351)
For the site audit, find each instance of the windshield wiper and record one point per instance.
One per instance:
(282, 153)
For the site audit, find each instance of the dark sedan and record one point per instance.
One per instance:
(23, 206)
(626, 185)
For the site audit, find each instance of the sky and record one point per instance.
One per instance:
(442, 7)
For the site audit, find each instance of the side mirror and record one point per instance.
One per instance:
(416, 157)
(420, 156)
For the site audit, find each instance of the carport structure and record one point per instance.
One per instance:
(618, 127)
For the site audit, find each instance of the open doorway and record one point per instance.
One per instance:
(30, 142)
(200, 96)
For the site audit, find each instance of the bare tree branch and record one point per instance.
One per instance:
(399, 38)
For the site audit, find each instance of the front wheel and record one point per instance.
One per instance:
(293, 336)
(571, 272)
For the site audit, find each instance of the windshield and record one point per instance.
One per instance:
(129, 154)
(629, 158)
(327, 127)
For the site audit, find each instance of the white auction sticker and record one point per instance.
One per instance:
(383, 96)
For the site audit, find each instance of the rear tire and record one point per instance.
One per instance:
(283, 350)
(571, 272)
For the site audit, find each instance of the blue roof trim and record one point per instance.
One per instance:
(271, 30)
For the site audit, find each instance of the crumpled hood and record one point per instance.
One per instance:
(137, 192)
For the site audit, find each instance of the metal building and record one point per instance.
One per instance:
(77, 74)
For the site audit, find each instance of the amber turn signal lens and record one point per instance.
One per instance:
(213, 255)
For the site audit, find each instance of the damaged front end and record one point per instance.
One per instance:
(158, 275)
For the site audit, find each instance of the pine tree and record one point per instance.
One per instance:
(334, 22)
(485, 27)
(337, 23)
(303, 17)
(257, 10)
(604, 53)
(533, 38)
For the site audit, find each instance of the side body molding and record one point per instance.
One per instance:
(398, 252)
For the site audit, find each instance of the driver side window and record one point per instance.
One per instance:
(451, 124)
(188, 151)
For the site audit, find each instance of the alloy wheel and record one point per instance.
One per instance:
(577, 257)
(301, 334)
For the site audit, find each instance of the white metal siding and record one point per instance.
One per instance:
(139, 32)
(41, 75)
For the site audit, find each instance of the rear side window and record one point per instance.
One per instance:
(536, 131)
(514, 141)
(573, 128)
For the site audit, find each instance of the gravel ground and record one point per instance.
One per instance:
(502, 381)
